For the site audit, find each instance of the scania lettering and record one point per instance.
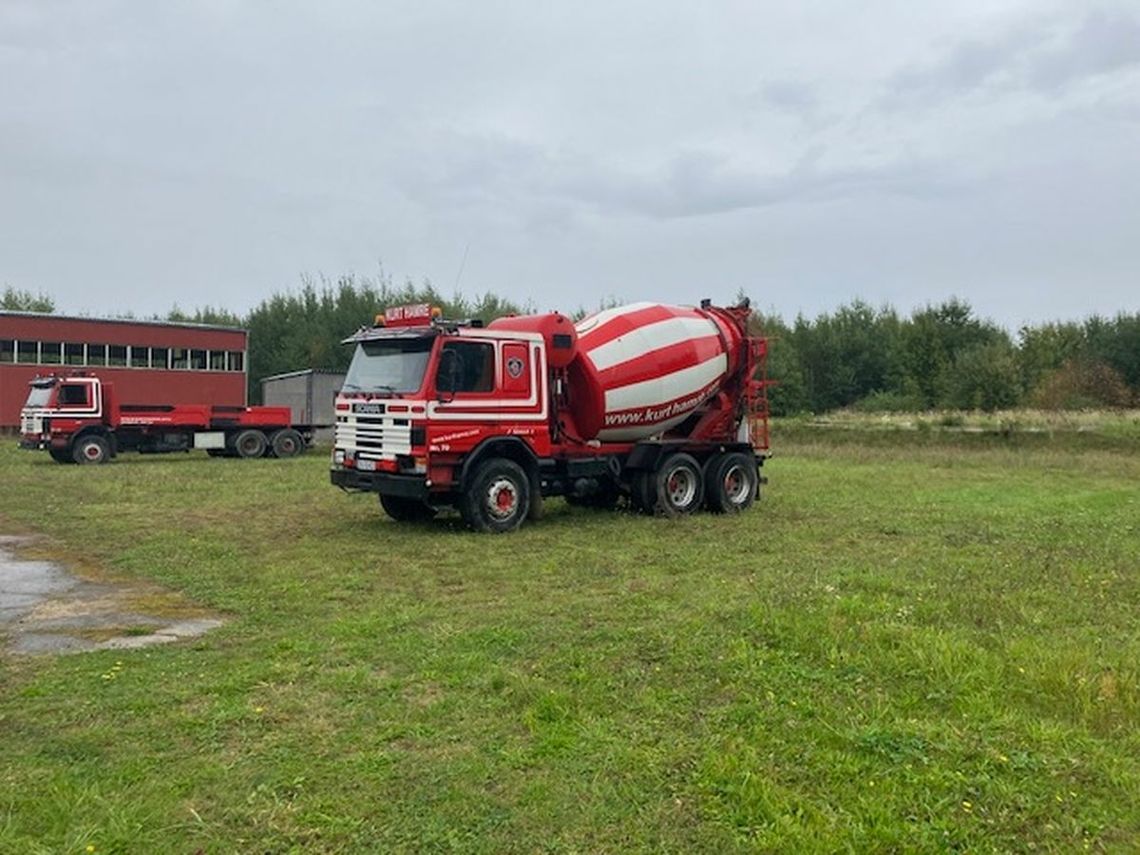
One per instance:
(662, 406)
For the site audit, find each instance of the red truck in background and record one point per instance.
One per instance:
(78, 419)
(663, 405)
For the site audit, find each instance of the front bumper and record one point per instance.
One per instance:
(406, 486)
(34, 444)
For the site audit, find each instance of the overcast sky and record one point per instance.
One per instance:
(209, 153)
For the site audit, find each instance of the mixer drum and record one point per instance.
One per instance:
(644, 368)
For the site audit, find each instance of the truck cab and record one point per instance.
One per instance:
(423, 399)
(59, 408)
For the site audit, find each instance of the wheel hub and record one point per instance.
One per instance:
(502, 499)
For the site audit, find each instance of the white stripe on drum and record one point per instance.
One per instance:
(592, 322)
(638, 342)
(659, 390)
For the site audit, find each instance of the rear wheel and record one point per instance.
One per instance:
(250, 443)
(731, 481)
(497, 499)
(680, 485)
(403, 509)
(287, 443)
(91, 449)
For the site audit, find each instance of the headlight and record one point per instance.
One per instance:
(338, 457)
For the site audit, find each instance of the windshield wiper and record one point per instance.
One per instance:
(378, 387)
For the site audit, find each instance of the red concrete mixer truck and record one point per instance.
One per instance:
(664, 406)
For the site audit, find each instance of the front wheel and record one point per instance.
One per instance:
(497, 499)
(60, 455)
(91, 449)
(731, 481)
(403, 509)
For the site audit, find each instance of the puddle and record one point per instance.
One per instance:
(45, 609)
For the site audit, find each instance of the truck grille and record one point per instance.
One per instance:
(31, 424)
(373, 437)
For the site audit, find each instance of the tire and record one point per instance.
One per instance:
(643, 492)
(497, 498)
(60, 455)
(403, 509)
(680, 485)
(287, 443)
(250, 444)
(91, 449)
(730, 483)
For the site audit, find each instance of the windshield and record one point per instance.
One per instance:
(388, 365)
(38, 397)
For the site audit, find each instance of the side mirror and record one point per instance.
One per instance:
(447, 377)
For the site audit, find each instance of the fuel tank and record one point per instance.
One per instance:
(641, 369)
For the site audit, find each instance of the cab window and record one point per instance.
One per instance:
(466, 367)
(73, 395)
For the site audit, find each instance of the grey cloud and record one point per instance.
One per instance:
(792, 96)
(1029, 54)
(1107, 41)
(536, 182)
(967, 66)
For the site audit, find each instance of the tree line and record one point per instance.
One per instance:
(945, 357)
(940, 356)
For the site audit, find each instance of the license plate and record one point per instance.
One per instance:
(370, 409)
(366, 465)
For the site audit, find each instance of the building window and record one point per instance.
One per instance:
(27, 351)
(217, 360)
(236, 360)
(96, 354)
(7, 350)
(140, 357)
(73, 354)
(117, 355)
(51, 353)
(159, 357)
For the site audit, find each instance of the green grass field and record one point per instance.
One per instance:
(919, 643)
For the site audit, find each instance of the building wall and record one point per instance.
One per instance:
(150, 363)
(310, 396)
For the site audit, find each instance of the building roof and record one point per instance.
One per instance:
(131, 321)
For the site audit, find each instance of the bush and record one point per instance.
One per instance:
(1083, 385)
(889, 401)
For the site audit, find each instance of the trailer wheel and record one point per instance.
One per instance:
(91, 449)
(287, 443)
(730, 483)
(680, 485)
(497, 499)
(403, 509)
(250, 443)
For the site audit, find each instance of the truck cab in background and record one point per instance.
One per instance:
(664, 405)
